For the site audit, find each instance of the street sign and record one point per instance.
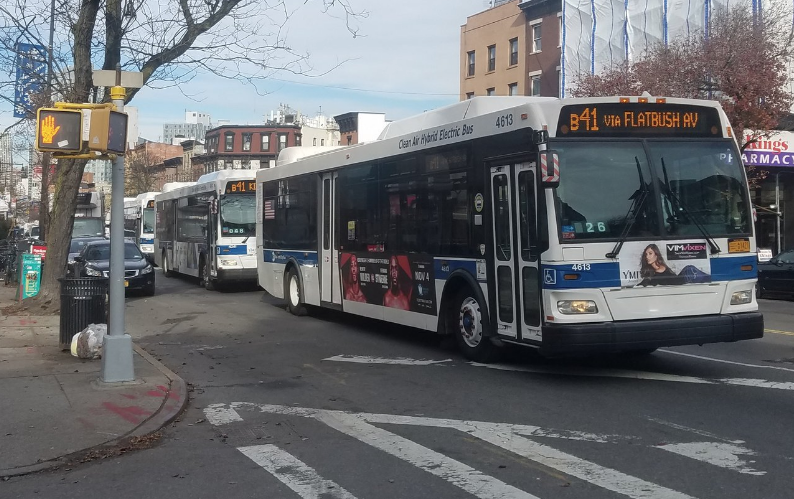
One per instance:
(59, 130)
(107, 78)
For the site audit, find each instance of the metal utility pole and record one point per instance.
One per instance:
(117, 362)
(44, 205)
(777, 214)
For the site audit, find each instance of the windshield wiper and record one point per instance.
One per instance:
(639, 197)
(679, 205)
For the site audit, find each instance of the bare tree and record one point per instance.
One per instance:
(169, 42)
(139, 175)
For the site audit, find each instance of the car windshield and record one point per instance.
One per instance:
(604, 184)
(99, 252)
(77, 245)
(238, 215)
(88, 227)
(148, 221)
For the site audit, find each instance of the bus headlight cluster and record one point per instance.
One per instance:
(225, 262)
(571, 307)
(741, 297)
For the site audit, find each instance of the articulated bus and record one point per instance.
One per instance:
(206, 229)
(575, 226)
(139, 217)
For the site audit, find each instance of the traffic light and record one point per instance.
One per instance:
(108, 131)
(59, 130)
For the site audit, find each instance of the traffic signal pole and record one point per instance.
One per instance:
(117, 365)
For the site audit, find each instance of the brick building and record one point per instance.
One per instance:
(245, 147)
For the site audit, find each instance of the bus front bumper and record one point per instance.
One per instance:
(623, 336)
(237, 275)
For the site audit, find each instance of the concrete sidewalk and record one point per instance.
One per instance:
(53, 406)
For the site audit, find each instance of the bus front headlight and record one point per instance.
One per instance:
(571, 307)
(741, 297)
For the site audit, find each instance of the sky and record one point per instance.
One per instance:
(403, 61)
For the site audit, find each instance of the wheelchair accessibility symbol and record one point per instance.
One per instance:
(549, 276)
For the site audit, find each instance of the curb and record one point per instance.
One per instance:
(161, 418)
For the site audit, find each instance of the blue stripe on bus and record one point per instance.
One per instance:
(147, 240)
(443, 267)
(607, 274)
(302, 257)
(232, 249)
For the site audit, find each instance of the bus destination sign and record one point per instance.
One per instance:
(240, 186)
(609, 119)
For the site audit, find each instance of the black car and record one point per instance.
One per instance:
(76, 247)
(94, 261)
(777, 275)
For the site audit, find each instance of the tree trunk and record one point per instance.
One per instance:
(70, 172)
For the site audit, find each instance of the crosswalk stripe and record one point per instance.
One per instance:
(459, 474)
(221, 414)
(722, 454)
(404, 361)
(294, 473)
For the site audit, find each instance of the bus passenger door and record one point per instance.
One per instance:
(212, 236)
(329, 258)
(516, 258)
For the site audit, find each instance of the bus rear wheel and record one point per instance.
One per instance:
(293, 292)
(166, 267)
(471, 329)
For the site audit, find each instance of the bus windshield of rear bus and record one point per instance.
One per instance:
(238, 214)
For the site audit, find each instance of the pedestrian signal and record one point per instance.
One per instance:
(59, 130)
(108, 131)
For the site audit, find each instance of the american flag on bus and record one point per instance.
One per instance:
(270, 211)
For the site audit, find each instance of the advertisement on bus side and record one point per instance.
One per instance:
(405, 282)
(664, 263)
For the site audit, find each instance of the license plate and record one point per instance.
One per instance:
(126, 284)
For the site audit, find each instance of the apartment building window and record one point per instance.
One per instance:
(512, 89)
(265, 145)
(350, 140)
(492, 58)
(534, 83)
(322, 142)
(314, 141)
(470, 70)
(298, 140)
(247, 141)
(229, 141)
(536, 45)
(469, 95)
(514, 51)
(228, 164)
(490, 91)
(282, 141)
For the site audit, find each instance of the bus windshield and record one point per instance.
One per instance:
(686, 183)
(238, 215)
(147, 221)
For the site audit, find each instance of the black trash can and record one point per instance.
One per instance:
(83, 302)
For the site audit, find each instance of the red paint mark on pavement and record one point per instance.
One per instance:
(161, 390)
(133, 413)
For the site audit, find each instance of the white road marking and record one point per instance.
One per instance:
(723, 361)
(220, 414)
(696, 431)
(454, 472)
(606, 478)
(208, 347)
(619, 373)
(595, 372)
(507, 436)
(404, 361)
(719, 454)
(293, 473)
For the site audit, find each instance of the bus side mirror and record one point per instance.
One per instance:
(549, 168)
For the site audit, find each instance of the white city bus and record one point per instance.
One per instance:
(139, 218)
(575, 226)
(206, 229)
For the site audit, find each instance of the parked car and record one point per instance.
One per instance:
(776, 275)
(94, 261)
(75, 247)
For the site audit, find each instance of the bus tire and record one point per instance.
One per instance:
(206, 279)
(293, 292)
(166, 267)
(471, 330)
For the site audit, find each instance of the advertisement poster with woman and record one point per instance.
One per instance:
(664, 263)
(396, 281)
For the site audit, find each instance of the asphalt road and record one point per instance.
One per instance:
(336, 406)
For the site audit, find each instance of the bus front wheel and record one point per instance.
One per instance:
(293, 292)
(471, 329)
